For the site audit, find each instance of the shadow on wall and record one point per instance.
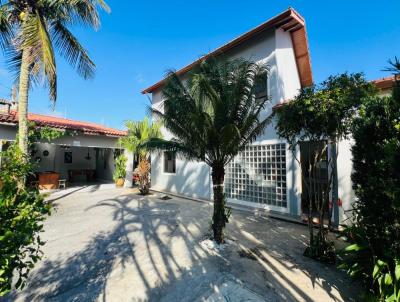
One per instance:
(192, 179)
(148, 246)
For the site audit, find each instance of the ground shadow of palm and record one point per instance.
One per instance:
(142, 241)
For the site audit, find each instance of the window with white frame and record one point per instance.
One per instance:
(169, 162)
(258, 174)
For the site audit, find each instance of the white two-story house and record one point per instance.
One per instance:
(265, 175)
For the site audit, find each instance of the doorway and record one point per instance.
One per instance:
(315, 180)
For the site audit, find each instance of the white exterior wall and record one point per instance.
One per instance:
(345, 185)
(192, 179)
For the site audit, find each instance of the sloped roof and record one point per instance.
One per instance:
(290, 20)
(384, 83)
(62, 123)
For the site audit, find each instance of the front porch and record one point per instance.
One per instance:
(59, 164)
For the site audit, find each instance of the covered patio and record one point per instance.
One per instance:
(61, 164)
(83, 153)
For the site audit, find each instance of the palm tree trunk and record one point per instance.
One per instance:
(23, 103)
(219, 216)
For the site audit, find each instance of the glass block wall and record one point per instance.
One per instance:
(258, 175)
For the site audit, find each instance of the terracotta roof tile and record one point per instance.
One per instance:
(62, 123)
(384, 83)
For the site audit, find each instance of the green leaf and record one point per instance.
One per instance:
(380, 279)
(392, 298)
(377, 270)
(354, 247)
(388, 279)
(397, 271)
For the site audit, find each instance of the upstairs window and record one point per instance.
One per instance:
(169, 162)
(261, 89)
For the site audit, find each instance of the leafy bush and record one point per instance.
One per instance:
(321, 116)
(374, 253)
(22, 212)
(120, 167)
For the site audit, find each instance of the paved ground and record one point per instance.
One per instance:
(106, 244)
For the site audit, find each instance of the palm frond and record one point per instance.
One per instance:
(78, 11)
(139, 132)
(6, 32)
(216, 112)
(161, 145)
(35, 39)
(70, 48)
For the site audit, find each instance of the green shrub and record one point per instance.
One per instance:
(120, 167)
(22, 212)
(374, 235)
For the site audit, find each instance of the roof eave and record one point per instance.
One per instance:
(290, 20)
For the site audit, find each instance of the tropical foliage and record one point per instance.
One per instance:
(212, 117)
(44, 134)
(374, 234)
(29, 33)
(320, 116)
(138, 133)
(22, 212)
(120, 167)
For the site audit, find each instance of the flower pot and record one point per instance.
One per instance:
(120, 182)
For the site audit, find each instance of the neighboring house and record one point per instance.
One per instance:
(86, 151)
(385, 85)
(265, 175)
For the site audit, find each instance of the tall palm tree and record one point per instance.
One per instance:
(212, 118)
(30, 30)
(138, 133)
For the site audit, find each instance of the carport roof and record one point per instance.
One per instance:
(62, 123)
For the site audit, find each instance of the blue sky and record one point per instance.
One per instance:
(140, 40)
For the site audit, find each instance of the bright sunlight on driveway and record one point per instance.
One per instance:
(107, 244)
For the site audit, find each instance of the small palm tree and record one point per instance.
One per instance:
(138, 133)
(30, 30)
(212, 118)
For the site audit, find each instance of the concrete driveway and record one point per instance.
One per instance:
(107, 244)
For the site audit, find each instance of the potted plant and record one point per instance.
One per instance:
(120, 170)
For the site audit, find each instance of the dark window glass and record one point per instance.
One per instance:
(261, 89)
(169, 162)
(68, 157)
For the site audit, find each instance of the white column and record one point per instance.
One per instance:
(129, 169)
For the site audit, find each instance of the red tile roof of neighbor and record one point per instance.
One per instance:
(62, 123)
(381, 84)
(289, 20)
(384, 83)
